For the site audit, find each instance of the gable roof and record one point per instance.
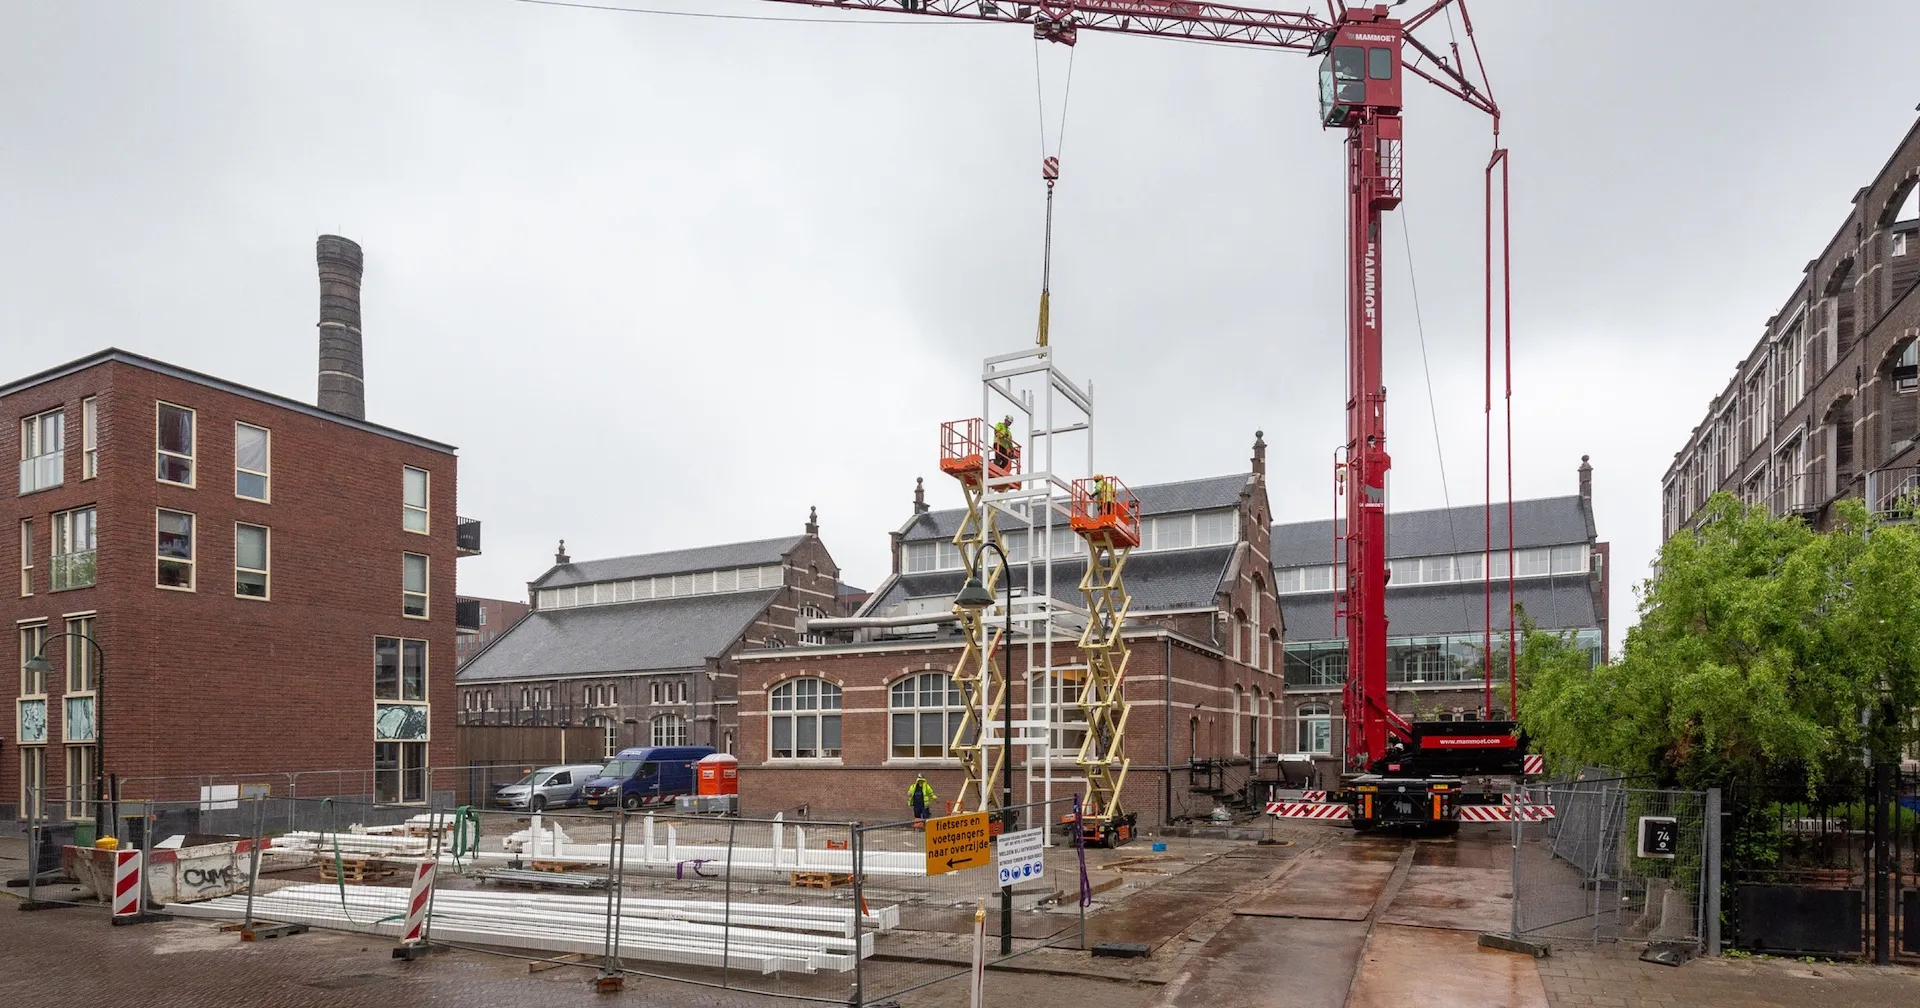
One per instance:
(1548, 521)
(1175, 579)
(677, 633)
(699, 558)
(1155, 499)
(1553, 603)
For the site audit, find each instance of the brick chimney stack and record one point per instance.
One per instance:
(343, 388)
(1586, 482)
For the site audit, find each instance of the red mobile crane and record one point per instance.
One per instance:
(1397, 772)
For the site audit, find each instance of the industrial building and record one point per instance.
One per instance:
(226, 580)
(1826, 405)
(1437, 609)
(644, 647)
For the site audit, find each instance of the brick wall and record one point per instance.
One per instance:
(204, 681)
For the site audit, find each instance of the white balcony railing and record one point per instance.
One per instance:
(42, 471)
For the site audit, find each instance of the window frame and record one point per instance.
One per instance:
(193, 445)
(400, 650)
(33, 782)
(63, 528)
(26, 557)
(669, 721)
(951, 710)
(193, 549)
(794, 715)
(265, 570)
(265, 474)
(80, 771)
(404, 772)
(89, 437)
(1320, 716)
(426, 586)
(32, 438)
(425, 508)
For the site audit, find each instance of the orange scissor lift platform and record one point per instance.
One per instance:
(1105, 511)
(966, 452)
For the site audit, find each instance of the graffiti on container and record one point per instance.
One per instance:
(209, 878)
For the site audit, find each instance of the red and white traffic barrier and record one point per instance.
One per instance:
(1308, 810)
(1533, 764)
(418, 899)
(1500, 813)
(126, 884)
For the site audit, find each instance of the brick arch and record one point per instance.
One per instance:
(1890, 210)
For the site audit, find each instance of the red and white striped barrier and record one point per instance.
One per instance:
(1308, 810)
(1533, 764)
(1500, 813)
(126, 883)
(418, 900)
(1313, 796)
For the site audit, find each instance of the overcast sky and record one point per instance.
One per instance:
(669, 281)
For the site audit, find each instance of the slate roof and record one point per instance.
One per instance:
(677, 633)
(699, 558)
(1175, 579)
(1554, 603)
(1158, 498)
(1550, 521)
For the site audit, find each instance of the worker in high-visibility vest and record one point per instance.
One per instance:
(921, 797)
(1104, 495)
(1003, 447)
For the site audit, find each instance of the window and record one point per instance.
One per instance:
(483, 615)
(26, 556)
(173, 443)
(32, 640)
(1328, 669)
(250, 560)
(174, 547)
(1233, 719)
(1533, 562)
(413, 585)
(609, 739)
(1316, 728)
(250, 461)
(400, 772)
(669, 729)
(42, 454)
(1173, 532)
(413, 499)
(82, 670)
(400, 669)
(80, 781)
(1213, 528)
(811, 612)
(925, 712)
(804, 719)
(89, 438)
(1316, 579)
(73, 548)
(1569, 559)
(1380, 63)
(33, 782)
(1906, 370)
(1435, 570)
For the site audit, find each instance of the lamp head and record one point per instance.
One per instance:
(973, 596)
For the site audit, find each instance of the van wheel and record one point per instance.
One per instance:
(538, 804)
(630, 802)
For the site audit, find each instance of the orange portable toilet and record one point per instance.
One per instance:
(719, 775)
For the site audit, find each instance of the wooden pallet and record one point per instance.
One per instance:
(356, 870)
(820, 879)
(560, 866)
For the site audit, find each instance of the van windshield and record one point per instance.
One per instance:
(536, 778)
(622, 768)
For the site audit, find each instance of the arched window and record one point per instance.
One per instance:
(804, 720)
(609, 735)
(726, 744)
(669, 729)
(1234, 719)
(1193, 738)
(811, 612)
(1316, 728)
(1273, 647)
(924, 712)
(1253, 724)
(1239, 625)
(1328, 670)
(1267, 742)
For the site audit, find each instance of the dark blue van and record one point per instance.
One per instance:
(651, 775)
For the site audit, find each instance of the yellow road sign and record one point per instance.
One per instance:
(958, 842)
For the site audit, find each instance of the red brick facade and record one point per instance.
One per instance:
(205, 681)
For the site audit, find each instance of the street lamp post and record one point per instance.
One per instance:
(39, 663)
(975, 598)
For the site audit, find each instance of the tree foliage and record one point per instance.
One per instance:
(1764, 649)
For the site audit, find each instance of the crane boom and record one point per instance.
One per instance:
(1366, 55)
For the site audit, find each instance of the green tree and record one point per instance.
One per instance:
(1764, 649)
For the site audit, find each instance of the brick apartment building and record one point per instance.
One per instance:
(270, 583)
(479, 620)
(844, 727)
(644, 646)
(1436, 609)
(1827, 403)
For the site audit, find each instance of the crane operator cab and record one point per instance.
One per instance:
(1359, 66)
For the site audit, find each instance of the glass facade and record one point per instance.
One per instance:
(1411, 661)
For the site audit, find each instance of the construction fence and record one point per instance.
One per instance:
(802, 910)
(1617, 863)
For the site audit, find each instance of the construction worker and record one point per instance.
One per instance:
(921, 796)
(1003, 442)
(1103, 494)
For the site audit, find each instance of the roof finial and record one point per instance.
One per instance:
(560, 556)
(1260, 452)
(813, 520)
(1586, 480)
(919, 495)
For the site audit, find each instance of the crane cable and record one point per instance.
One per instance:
(1050, 174)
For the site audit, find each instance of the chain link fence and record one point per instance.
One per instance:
(801, 910)
(1616, 863)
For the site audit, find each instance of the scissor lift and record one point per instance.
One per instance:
(1107, 516)
(968, 456)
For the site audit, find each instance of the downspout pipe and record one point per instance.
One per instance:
(1166, 736)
